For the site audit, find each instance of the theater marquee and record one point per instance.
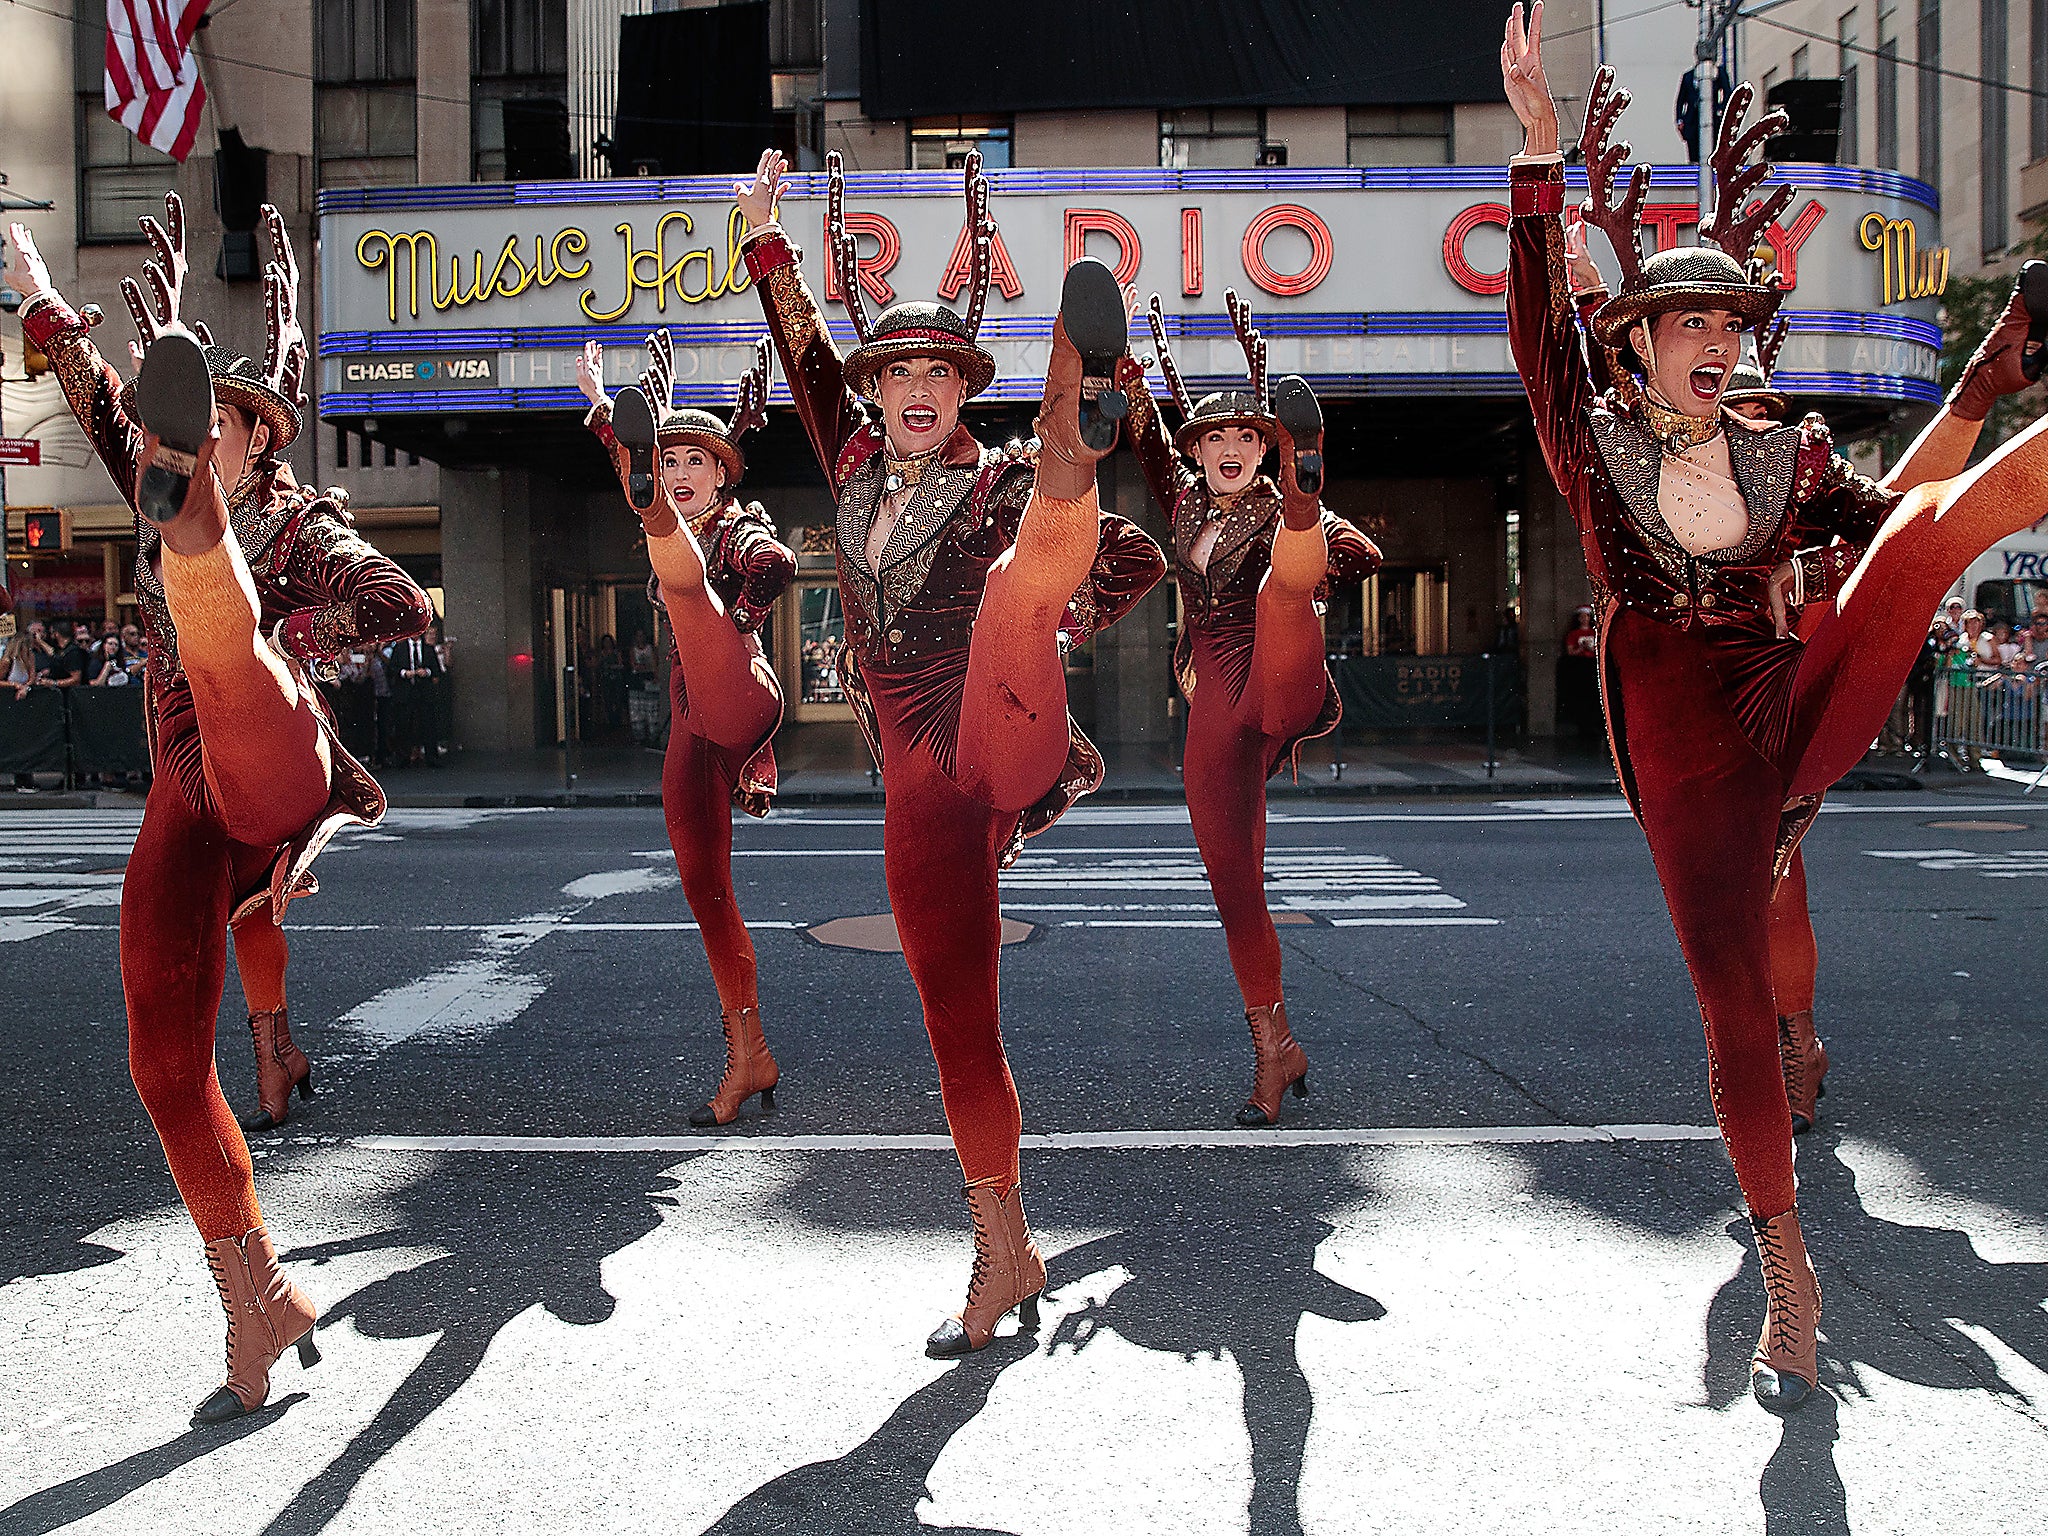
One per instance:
(1366, 281)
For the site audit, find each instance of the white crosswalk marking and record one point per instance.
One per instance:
(1302, 880)
(2007, 864)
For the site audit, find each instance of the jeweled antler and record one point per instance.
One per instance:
(845, 251)
(751, 409)
(982, 230)
(658, 383)
(1253, 343)
(1157, 316)
(284, 345)
(1620, 221)
(164, 274)
(1737, 222)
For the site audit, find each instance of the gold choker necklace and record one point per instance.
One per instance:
(903, 474)
(1675, 429)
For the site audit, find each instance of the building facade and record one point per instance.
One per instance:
(451, 162)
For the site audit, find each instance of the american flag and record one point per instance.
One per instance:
(153, 85)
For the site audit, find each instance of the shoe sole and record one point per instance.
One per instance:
(1092, 314)
(633, 426)
(174, 402)
(2034, 295)
(1295, 404)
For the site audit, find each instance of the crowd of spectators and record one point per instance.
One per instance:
(67, 654)
(1979, 683)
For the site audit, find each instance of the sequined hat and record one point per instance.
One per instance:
(675, 427)
(1251, 407)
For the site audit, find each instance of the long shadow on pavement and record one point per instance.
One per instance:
(1889, 1293)
(518, 1234)
(51, 1509)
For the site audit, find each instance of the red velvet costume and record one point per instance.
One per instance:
(917, 666)
(197, 862)
(1251, 668)
(1725, 733)
(726, 705)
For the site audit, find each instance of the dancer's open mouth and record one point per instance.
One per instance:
(1706, 380)
(920, 418)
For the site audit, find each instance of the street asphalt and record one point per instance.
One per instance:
(1490, 1277)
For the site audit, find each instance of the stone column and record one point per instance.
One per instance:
(487, 581)
(442, 105)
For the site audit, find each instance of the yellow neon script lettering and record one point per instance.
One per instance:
(1907, 273)
(509, 277)
(649, 268)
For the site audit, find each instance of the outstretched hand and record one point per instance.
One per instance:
(759, 198)
(590, 372)
(26, 273)
(1523, 81)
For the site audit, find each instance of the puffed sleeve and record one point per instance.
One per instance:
(764, 564)
(1128, 563)
(1353, 556)
(351, 594)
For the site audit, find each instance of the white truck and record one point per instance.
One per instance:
(2010, 580)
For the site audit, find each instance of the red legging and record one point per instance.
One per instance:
(1795, 956)
(1710, 800)
(725, 702)
(261, 956)
(265, 776)
(963, 753)
(1232, 742)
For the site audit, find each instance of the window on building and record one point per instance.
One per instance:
(519, 90)
(1397, 135)
(1887, 90)
(2037, 81)
(365, 121)
(1847, 42)
(120, 178)
(1801, 62)
(1927, 49)
(1770, 79)
(942, 143)
(796, 61)
(1994, 19)
(1211, 138)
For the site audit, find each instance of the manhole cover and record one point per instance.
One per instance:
(877, 934)
(1980, 826)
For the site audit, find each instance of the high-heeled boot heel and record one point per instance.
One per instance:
(1279, 1063)
(267, 1315)
(749, 1069)
(174, 401)
(1785, 1369)
(1008, 1273)
(280, 1067)
(633, 426)
(1295, 404)
(1093, 316)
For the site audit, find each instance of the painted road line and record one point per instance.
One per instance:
(1062, 1141)
(2009, 864)
(1414, 922)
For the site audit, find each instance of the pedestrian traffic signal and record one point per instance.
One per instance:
(46, 532)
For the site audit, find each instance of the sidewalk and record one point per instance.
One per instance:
(827, 764)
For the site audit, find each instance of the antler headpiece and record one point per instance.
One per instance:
(673, 427)
(1711, 275)
(272, 391)
(1226, 407)
(915, 328)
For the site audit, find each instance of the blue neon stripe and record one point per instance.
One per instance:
(1038, 181)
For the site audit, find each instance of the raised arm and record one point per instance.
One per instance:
(810, 360)
(90, 383)
(1165, 475)
(1542, 324)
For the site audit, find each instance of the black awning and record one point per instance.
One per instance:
(929, 57)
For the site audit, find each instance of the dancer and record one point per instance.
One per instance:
(245, 579)
(1255, 561)
(963, 573)
(718, 569)
(1701, 531)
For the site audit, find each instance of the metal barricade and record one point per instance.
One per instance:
(1996, 712)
